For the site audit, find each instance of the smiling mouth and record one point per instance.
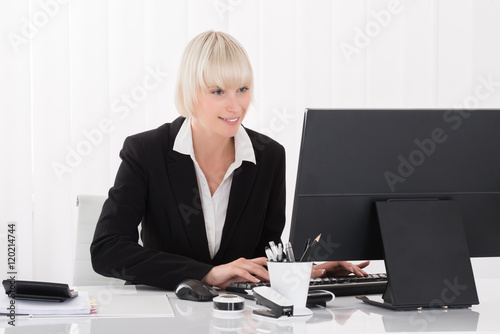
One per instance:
(229, 119)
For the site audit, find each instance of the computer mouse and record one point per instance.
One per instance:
(192, 289)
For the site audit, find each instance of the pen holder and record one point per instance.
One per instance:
(291, 280)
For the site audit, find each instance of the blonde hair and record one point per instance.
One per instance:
(211, 59)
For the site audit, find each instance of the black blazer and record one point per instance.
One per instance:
(158, 186)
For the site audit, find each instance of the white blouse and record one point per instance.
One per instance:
(215, 207)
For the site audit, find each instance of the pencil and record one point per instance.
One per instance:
(307, 253)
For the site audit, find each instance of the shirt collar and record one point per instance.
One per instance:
(242, 144)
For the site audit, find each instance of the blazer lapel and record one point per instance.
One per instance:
(241, 188)
(182, 176)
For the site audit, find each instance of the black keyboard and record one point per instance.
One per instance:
(340, 286)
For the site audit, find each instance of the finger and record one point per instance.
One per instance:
(253, 268)
(259, 260)
(349, 267)
(363, 264)
(243, 275)
(259, 271)
(235, 279)
(359, 267)
(358, 272)
(318, 272)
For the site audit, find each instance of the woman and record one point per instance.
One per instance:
(210, 193)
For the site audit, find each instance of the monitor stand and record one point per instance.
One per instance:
(426, 255)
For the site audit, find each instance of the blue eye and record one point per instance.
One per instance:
(217, 92)
(243, 89)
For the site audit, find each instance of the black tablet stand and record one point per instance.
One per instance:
(426, 255)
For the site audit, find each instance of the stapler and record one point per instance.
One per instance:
(278, 305)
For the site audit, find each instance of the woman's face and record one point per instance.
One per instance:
(220, 112)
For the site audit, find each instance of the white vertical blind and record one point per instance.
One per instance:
(455, 62)
(349, 52)
(77, 77)
(52, 133)
(16, 187)
(419, 54)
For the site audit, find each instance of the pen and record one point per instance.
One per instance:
(306, 248)
(308, 242)
(274, 249)
(280, 252)
(269, 254)
(289, 252)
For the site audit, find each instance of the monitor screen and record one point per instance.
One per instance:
(350, 159)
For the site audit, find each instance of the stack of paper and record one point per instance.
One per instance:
(75, 306)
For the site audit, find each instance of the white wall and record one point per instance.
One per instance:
(68, 68)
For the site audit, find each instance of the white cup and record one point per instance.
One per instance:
(291, 280)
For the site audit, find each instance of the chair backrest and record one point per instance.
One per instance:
(89, 209)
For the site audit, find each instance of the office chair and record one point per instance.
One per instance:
(89, 209)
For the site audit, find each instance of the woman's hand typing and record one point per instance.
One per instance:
(241, 270)
(339, 269)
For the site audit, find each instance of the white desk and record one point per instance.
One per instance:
(343, 315)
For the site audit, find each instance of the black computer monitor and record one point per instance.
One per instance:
(350, 159)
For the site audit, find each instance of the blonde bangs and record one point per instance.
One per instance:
(226, 67)
(211, 59)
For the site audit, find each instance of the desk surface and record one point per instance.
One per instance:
(343, 315)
